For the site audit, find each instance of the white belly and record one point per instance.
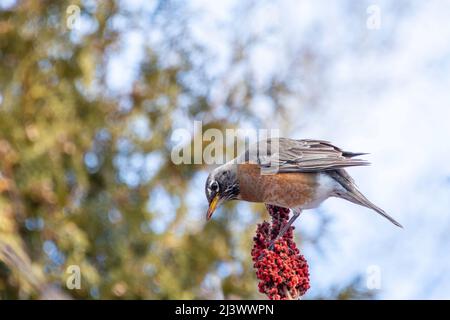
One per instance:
(325, 187)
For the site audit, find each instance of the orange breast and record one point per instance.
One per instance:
(288, 190)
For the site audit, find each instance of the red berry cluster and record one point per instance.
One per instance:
(282, 270)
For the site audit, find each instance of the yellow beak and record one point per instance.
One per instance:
(212, 207)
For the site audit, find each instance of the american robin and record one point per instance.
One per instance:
(295, 174)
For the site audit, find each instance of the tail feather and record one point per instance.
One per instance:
(357, 197)
(351, 193)
(349, 154)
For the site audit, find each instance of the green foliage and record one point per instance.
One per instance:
(65, 147)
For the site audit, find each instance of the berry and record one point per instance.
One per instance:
(282, 272)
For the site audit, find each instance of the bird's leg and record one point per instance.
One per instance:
(296, 214)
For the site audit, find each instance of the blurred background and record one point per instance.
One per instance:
(91, 92)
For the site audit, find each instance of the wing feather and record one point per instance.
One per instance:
(306, 155)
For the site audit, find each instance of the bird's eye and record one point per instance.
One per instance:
(214, 186)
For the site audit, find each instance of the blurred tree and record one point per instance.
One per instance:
(85, 175)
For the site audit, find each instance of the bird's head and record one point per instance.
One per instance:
(222, 185)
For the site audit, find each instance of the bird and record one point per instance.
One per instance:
(298, 174)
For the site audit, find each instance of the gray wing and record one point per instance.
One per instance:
(289, 155)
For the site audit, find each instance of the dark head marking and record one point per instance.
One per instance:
(223, 182)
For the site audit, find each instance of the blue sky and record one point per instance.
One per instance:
(382, 91)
